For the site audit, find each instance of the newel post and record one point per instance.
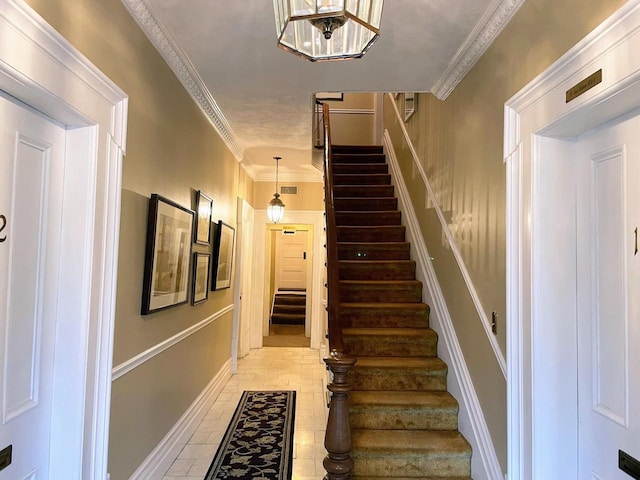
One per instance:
(337, 440)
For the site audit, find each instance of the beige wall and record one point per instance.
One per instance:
(172, 150)
(352, 120)
(310, 196)
(459, 142)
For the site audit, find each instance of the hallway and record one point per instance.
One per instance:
(269, 368)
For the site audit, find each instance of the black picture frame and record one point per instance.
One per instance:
(200, 281)
(168, 255)
(223, 256)
(204, 211)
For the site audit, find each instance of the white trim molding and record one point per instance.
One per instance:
(495, 18)
(126, 367)
(540, 130)
(158, 462)
(179, 62)
(472, 424)
(500, 358)
(43, 70)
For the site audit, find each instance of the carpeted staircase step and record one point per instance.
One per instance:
(410, 453)
(367, 218)
(399, 373)
(360, 168)
(371, 234)
(363, 191)
(293, 309)
(377, 269)
(357, 149)
(374, 250)
(390, 342)
(287, 319)
(370, 179)
(359, 291)
(366, 203)
(408, 315)
(290, 299)
(388, 410)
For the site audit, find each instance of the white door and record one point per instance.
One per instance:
(242, 314)
(31, 164)
(608, 298)
(291, 260)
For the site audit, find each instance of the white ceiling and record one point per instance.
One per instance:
(259, 97)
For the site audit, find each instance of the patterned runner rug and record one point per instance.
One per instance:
(259, 440)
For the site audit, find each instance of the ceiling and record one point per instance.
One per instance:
(259, 97)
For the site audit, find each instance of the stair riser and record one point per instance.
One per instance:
(418, 466)
(363, 270)
(368, 191)
(385, 418)
(391, 346)
(396, 379)
(367, 219)
(375, 317)
(290, 300)
(364, 293)
(370, 179)
(400, 251)
(293, 309)
(285, 319)
(360, 168)
(355, 157)
(394, 233)
(366, 204)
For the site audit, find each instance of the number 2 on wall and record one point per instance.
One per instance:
(3, 225)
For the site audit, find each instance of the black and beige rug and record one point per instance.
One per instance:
(258, 443)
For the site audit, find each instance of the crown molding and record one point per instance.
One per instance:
(495, 18)
(179, 62)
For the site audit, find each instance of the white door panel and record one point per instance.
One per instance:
(32, 159)
(609, 304)
(291, 260)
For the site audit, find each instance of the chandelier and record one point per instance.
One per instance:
(275, 209)
(321, 30)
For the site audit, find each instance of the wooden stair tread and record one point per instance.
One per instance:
(382, 305)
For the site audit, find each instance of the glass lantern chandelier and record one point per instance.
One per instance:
(275, 209)
(321, 30)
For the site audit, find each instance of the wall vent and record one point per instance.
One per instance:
(288, 190)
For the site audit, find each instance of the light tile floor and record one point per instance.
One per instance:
(270, 368)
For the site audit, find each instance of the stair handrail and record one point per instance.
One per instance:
(338, 462)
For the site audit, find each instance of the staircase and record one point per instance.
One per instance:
(289, 307)
(404, 422)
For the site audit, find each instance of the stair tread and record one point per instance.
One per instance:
(428, 363)
(391, 398)
(395, 306)
(380, 282)
(389, 331)
(409, 442)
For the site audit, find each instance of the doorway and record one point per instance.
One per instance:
(290, 296)
(551, 335)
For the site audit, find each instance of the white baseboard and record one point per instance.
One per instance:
(484, 461)
(162, 457)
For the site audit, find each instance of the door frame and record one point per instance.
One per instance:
(40, 68)
(261, 286)
(539, 150)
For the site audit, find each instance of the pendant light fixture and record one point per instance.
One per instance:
(275, 209)
(321, 30)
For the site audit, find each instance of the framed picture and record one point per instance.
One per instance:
(204, 209)
(200, 284)
(222, 256)
(409, 104)
(166, 263)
